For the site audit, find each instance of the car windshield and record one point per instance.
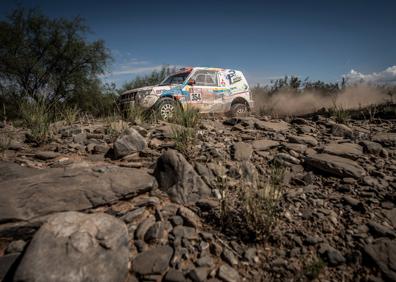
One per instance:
(178, 78)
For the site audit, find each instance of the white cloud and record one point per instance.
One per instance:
(387, 76)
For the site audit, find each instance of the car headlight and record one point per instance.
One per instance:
(142, 94)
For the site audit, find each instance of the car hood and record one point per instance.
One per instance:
(155, 89)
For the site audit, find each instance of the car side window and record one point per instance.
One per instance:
(205, 78)
(200, 79)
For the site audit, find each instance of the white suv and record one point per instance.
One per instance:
(211, 90)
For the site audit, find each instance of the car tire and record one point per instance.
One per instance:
(166, 108)
(239, 109)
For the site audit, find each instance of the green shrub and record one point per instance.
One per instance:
(37, 118)
(188, 117)
(184, 138)
(70, 114)
(251, 210)
(185, 130)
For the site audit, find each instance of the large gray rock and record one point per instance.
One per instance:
(27, 193)
(178, 178)
(335, 165)
(129, 142)
(347, 150)
(74, 246)
(383, 253)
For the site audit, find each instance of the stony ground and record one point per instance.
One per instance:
(99, 203)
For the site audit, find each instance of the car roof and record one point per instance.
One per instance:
(188, 69)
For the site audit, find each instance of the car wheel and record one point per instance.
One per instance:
(166, 108)
(239, 109)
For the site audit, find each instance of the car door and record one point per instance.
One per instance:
(203, 92)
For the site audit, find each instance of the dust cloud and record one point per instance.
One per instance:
(290, 103)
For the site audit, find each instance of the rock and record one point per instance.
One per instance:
(16, 247)
(335, 165)
(129, 142)
(69, 131)
(242, 151)
(228, 274)
(249, 173)
(37, 193)
(348, 150)
(300, 148)
(391, 216)
(80, 138)
(385, 138)
(341, 130)
(79, 243)
(280, 126)
(229, 257)
(46, 155)
(185, 232)
(153, 261)
(156, 233)
(178, 178)
(174, 275)
(354, 203)
(264, 144)
(371, 147)
(199, 274)
(303, 139)
(205, 261)
(331, 255)
(380, 230)
(190, 218)
(8, 264)
(251, 255)
(135, 214)
(284, 157)
(100, 149)
(143, 227)
(383, 253)
(176, 220)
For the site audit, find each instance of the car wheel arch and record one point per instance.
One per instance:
(240, 100)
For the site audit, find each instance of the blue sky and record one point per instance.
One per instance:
(265, 39)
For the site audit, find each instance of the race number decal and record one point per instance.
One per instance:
(196, 96)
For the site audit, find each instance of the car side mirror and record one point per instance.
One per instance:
(191, 82)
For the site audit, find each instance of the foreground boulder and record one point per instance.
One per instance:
(74, 246)
(37, 193)
(129, 142)
(335, 165)
(178, 178)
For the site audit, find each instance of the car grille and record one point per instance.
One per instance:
(128, 97)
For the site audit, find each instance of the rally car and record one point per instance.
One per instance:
(211, 90)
